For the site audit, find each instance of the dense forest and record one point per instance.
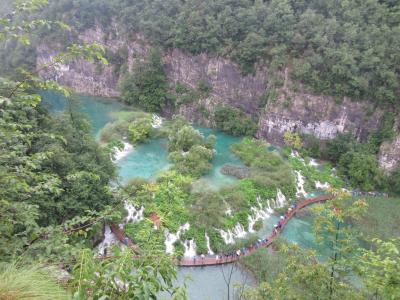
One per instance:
(345, 48)
(60, 187)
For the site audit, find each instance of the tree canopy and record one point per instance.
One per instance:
(346, 48)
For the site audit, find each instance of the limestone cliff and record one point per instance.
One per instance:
(389, 154)
(290, 108)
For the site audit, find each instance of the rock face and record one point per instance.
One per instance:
(81, 76)
(317, 115)
(389, 154)
(89, 78)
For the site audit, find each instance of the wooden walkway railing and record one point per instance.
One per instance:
(123, 238)
(212, 260)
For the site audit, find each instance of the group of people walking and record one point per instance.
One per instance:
(235, 254)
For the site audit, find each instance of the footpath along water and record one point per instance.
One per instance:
(148, 159)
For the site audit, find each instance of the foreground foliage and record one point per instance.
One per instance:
(31, 282)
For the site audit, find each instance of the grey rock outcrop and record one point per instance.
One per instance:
(312, 114)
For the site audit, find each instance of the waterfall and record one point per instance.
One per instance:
(156, 121)
(134, 215)
(259, 213)
(297, 155)
(209, 250)
(171, 238)
(230, 235)
(239, 231)
(300, 185)
(228, 212)
(269, 209)
(119, 154)
(322, 186)
(190, 248)
(109, 239)
(313, 163)
(280, 199)
(227, 236)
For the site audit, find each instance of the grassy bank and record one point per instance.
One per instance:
(381, 219)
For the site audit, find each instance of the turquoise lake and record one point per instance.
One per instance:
(148, 159)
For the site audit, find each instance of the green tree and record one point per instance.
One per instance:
(234, 121)
(361, 169)
(195, 162)
(96, 279)
(379, 267)
(147, 86)
(293, 140)
(139, 130)
(184, 139)
(333, 229)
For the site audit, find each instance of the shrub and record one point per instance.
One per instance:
(234, 121)
(293, 140)
(140, 130)
(147, 86)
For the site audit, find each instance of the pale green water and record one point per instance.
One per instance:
(98, 110)
(145, 161)
(148, 159)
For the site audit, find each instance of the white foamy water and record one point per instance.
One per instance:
(239, 231)
(119, 154)
(190, 248)
(258, 213)
(300, 191)
(322, 186)
(313, 163)
(227, 236)
(230, 235)
(228, 212)
(209, 250)
(134, 215)
(171, 238)
(297, 155)
(109, 239)
(156, 121)
(280, 199)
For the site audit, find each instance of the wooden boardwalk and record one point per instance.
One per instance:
(213, 260)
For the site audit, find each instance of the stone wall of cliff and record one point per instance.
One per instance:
(312, 114)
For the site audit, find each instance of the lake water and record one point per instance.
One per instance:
(148, 159)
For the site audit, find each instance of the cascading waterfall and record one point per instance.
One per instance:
(109, 239)
(209, 250)
(134, 215)
(297, 155)
(280, 199)
(239, 231)
(313, 163)
(227, 236)
(269, 209)
(119, 154)
(300, 191)
(322, 186)
(259, 213)
(156, 121)
(190, 248)
(171, 238)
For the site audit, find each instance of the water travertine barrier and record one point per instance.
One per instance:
(213, 260)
